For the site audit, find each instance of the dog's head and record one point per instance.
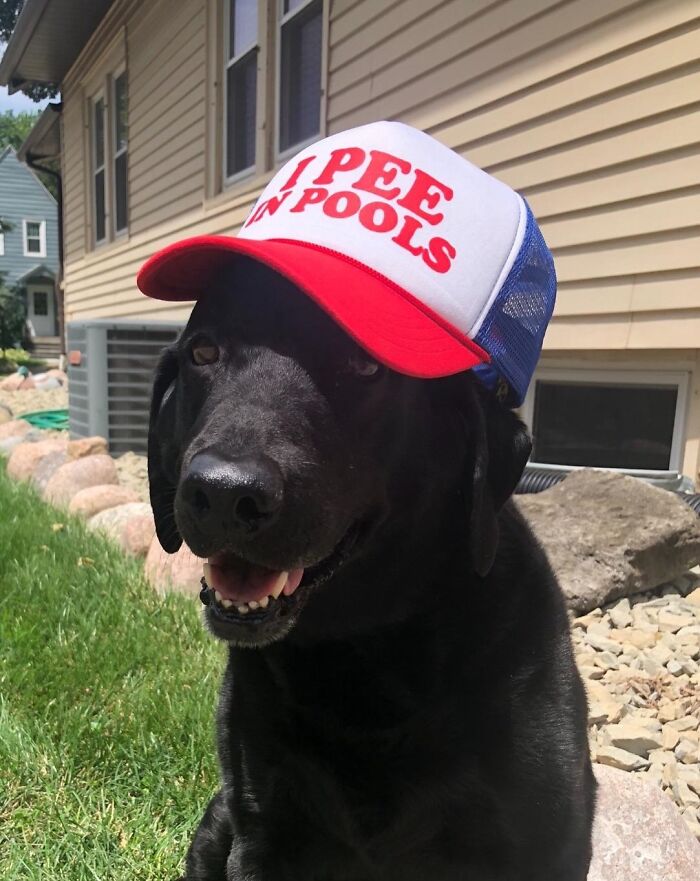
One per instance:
(286, 456)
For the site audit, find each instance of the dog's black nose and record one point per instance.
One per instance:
(243, 494)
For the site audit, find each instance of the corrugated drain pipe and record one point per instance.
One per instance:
(535, 481)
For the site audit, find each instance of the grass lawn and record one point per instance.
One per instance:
(107, 697)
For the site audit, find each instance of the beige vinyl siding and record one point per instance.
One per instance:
(591, 109)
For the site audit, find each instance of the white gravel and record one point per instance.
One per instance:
(639, 661)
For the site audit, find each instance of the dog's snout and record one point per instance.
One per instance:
(243, 494)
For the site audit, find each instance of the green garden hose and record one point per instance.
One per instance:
(55, 420)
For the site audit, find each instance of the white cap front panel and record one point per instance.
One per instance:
(404, 205)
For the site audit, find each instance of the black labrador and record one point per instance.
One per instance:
(402, 704)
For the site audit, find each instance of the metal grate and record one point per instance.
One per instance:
(110, 391)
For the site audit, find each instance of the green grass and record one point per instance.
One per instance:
(107, 696)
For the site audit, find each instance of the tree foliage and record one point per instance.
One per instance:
(9, 13)
(14, 127)
(11, 318)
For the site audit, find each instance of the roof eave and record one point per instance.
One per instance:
(44, 140)
(25, 26)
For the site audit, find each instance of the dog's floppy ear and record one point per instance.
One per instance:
(500, 446)
(161, 437)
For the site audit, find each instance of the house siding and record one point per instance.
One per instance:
(590, 109)
(23, 197)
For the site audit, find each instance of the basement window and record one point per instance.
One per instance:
(620, 419)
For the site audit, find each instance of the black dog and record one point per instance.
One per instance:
(422, 718)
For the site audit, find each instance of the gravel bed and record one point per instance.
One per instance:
(639, 659)
(31, 400)
(133, 473)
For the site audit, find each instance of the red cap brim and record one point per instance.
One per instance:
(392, 325)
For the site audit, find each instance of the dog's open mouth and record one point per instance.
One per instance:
(237, 591)
(239, 587)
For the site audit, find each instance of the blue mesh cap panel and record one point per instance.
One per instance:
(513, 330)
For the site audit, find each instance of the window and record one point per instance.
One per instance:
(607, 419)
(41, 303)
(241, 84)
(98, 169)
(272, 83)
(34, 238)
(300, 40)
(109, 154)
(120, 151)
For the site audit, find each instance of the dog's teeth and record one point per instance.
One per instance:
(218, 596)
(244, 609)
(263, 603)
(207, 572)
(279, 584)
(226, 604)
(252, 604)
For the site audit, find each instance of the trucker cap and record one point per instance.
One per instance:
(433, 266)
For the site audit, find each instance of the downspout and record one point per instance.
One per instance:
(58, 283)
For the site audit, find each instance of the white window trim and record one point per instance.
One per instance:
(94, 168)
(282, 156)
(2, 244)
(115, 154)
(42, 238)
(590, 375)
(228, 63)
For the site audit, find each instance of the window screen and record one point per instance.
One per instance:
(241, 85)
(300, 73)
(120, 153)
(98, 157)
(604, 425)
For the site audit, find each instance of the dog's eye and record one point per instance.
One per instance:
(361, 366)
(204, 352)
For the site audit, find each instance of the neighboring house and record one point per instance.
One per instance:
(176, 112)
(29, 245)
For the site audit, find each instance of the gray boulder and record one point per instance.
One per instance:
(608, 535)
(638, 833)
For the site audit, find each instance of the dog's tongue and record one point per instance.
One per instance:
(242, 582)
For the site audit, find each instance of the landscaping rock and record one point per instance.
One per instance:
(5, 414)
(181, 572)
(130, 525)
(17, 382)
(638, 835)
(71, 477)
(618, 758)
(608, 535)
(93, 499)
(87, 446)
(25, 457)
(139, 532)
(14, 428)
(47, 467)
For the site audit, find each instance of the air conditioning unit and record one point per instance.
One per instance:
(110, 374)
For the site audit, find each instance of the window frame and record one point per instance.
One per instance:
(42, 238)
(100, 95)
(282, 18)
(228, 63)
(2, 244)
(120, 232)
(618, 375)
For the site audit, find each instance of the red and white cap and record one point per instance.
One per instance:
(430, 264)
